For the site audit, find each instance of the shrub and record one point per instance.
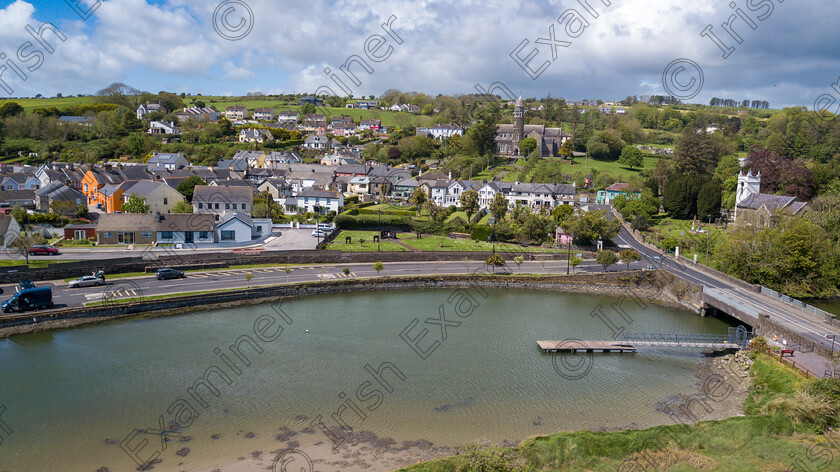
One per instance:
(481, 233)
(641, 223)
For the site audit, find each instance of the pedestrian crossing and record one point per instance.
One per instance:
(242, 272)
(115, 294)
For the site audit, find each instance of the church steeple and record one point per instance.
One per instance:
(518, 122)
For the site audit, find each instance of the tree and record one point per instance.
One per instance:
(495, 261)
(527, 146)
(418, 198)
(629, 256)
(562, 212)
(63, 207)
(606, 259)
(781, 174)
(695, 154)
(632, 157)
(576, 261)
(135, 204)
(680, 198)
(591, 226)
(136, 144)
(378, 267)
(566, 151)
(181, 206)
(187, 187)
(469, 203)
(498, 208)
(641, 223)
(708, 200)
(22, 243)
(518, 260)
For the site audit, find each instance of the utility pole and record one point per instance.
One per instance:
(379, 239)
(569, 259)
(708, 235)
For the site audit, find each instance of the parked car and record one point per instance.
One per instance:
(650, 267)
(42, 250)
(319, 233)
(657, 258)
(86, 281)
(325, 226)
(167, 273)
(29, 299)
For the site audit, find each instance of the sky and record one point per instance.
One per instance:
(784, 52)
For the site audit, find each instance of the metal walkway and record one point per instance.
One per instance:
(737, 338)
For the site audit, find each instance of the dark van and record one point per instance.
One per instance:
(29, 299)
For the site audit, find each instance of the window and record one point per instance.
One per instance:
(79, 234)
(145, 234)
(217, 206)
(243, 206)
(200, 205)
(228, 235)
(107, 234)
(227, 206)
(166, 235)
(203, 234)
(165, 201)
(259, 229)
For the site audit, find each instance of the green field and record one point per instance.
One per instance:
(30, 104)
(580, 164)
(427, 243)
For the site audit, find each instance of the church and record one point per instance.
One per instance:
(754, 208)
(548, 140)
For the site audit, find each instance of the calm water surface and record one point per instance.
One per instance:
(67, 392)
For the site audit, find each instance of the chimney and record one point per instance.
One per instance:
(450, 175)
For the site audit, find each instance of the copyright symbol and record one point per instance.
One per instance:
(683, 79)
(291, 460)
(233, 20)
(570, 365)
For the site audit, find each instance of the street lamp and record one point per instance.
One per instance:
(831, 337)
(708, 235)
(569, 259)
(379, 239)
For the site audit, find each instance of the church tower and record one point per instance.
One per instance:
(747, 185)
(518, 122)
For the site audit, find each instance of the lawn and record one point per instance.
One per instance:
(338, 243)
(681, 229)
(612, 167)
(442, 243)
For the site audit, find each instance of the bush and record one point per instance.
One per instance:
(481, 233)
(345, 221)
(641, 223)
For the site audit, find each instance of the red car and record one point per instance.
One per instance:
(43, 251)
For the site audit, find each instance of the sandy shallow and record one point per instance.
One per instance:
(722, 383)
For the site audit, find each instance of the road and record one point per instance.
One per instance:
(148, 286)
(806, 324)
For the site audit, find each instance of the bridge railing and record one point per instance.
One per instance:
(739, 336)
(797, 303)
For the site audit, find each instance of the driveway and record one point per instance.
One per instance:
(292, 240)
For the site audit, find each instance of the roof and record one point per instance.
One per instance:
(312, 192)
(772, 202)
(144, 188)
(352, 169)
(619, 187)
(5, 221)
(206, 193)
(236, 215)
(360, 180)
(432, 176)
(17, 195)
(165, 158)
(154, 222)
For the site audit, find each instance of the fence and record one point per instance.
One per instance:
(797, 303)
(784, 360)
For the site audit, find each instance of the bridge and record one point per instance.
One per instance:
(737, 338)
(761, 308)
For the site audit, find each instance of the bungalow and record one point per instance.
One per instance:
(265, 114)
(241, 228)
(317, 101)
(441, 131)
(146, 108)
(12, 198)
(317, 141)
(606, 197)
(311, 200)
(219, 200)
(288, 116)
(79, 120)
(163, 127)
(155, 228)
(236, 113)
(158, 195)
(166, 160)
(253, 135)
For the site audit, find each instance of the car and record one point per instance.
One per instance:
(650, 267)
(319, 233)
(43, 250)
(25, 284)
(167, 273)
(325, 226)
(657, 258)
(86, 281)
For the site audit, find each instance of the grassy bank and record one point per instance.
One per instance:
(775, 432)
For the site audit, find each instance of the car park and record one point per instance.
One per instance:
(167, 273)
(86, 281)
(43, 250)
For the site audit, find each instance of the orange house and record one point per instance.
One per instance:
(110, 197)
(96, 179)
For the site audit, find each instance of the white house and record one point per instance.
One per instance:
(317, 141)
(163, 127)
(441, 131)
(241, 228)
(266, 114)
(288, 116)
(253, 135)
(313, 200)
(167, 161)
(146, 108)
(236, 113)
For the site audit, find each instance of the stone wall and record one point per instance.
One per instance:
(639, 286)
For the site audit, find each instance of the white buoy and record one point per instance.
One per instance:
(307, 331)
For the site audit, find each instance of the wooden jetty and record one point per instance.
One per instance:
(573, 346)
